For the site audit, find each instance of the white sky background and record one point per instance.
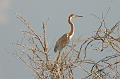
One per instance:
(4, 7)
(38, 11)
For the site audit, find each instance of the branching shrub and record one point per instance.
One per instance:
(35, 52)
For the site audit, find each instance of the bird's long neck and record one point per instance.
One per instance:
(71, 33)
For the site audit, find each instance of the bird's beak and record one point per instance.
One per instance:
(78, 16)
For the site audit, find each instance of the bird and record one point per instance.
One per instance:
(65, 39)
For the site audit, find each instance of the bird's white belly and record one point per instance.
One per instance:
(72, 35)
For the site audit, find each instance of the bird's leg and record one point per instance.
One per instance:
(58, 56)
(59, 66)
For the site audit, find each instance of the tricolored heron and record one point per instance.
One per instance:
(64, 40)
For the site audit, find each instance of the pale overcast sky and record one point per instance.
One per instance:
(37, 11)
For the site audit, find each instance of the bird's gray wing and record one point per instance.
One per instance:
(61, 43)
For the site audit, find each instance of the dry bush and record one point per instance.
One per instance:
(35, 52)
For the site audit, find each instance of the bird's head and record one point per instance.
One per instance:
(74, 16)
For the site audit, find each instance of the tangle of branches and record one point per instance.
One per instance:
(35, 52)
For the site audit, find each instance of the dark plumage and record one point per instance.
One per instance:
(62, 42)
